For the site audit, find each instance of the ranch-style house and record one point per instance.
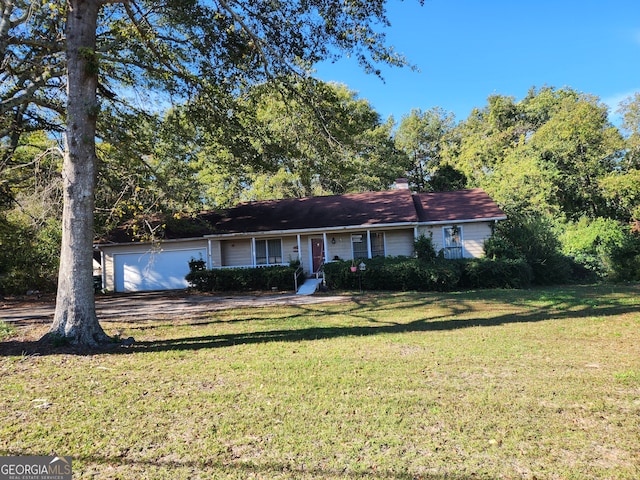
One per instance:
(312, 230)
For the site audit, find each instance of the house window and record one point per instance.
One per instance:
(359, 244)
(452, 242)
(377, 244)
(269, 252)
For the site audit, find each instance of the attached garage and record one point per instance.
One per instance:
(149, 269)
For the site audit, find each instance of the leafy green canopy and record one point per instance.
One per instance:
(152, 54)
(548, 153)
(566, 177)
(424, 136)
(280, 149)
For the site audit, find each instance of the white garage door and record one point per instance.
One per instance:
(155, 270)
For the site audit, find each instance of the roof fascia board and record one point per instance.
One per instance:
(468, 220)
(311, 231)
(170, 240)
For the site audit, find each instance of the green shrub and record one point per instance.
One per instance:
(625, 259)
(28, 256)
(196, 265)
(411, 274)
(593, 243)
(338, 275)
(241, 279)
(6, 330)
(531, 238)
(424, 248)
(394, 273)
(499, 273)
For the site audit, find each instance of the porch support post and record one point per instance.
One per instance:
(103, 268)
(209, 254)
(326, 247)
(368, 243)
(253, 251)
(299, 250)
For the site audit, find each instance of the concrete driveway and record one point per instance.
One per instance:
(150, 305)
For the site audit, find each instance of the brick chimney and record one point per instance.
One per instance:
(401, 184)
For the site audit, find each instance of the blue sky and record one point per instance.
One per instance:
(467, 50)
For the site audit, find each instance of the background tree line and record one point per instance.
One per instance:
(568, 179)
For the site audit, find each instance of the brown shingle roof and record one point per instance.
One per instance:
(372, 208)
(351, 210)
(473, 204)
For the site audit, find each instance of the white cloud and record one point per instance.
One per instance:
(613, 102)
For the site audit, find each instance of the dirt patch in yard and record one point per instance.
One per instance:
(31, 315)
(149, 305)
(26, 301)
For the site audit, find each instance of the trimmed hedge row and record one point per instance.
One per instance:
(242, 279)
(411, 274)
(396, 273)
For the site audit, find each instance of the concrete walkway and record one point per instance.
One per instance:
(148, 305)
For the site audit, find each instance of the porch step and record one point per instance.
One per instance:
(309, 287)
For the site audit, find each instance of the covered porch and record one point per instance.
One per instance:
(310, 249)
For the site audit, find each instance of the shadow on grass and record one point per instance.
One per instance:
(225, 467)
(551, 307)
(323, 333)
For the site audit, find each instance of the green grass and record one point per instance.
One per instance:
(494, 384)
(6, 330)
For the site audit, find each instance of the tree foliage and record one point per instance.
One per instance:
(329, 142)
(423, 136)
(332, 145)
(549, 151)
(557, 166)
(206, 54)
(29, 223)
(31, 83)
(591, 242)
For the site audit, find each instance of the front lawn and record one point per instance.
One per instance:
(496, 384)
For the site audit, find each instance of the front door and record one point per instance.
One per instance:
(317, 252)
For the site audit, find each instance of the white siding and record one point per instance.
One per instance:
(341, 248)
(236, 253)
(399, 243)
(289, 249)
(396, 242)
(473, 237)
(108, 277)
(216, 254)
(305, 254)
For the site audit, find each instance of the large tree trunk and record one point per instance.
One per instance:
(75, 316)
